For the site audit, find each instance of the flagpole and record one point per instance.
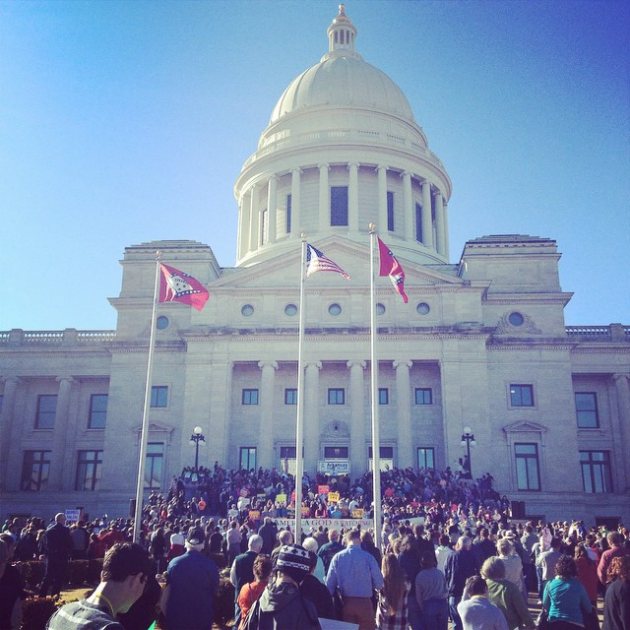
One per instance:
(299, 429)
(137, 523)
(376, 459)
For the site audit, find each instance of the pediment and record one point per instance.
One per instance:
(154, 427)
(283, 269)
(525, 426)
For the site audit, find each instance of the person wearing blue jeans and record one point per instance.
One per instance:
(430, 595)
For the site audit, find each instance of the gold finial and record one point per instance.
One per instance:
(342, 10)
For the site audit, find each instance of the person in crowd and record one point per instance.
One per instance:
(565, 599)
(11, 591)
(367, 544)
(615, 550)
(285, 537)
(505, 595)
(26, 548)
(313, 589)
(617, 599)
(57, 549)
(391, 610)
(483, 547)
(459, 567)
(310, 544)
(409, 559)
(443, 551)
(586, 571)
(250, 592)
(242, 571)
(126, 567)
(233, 539)
(356, 575)
(281, 604)
(330, 549)
(80, 541)
(512, 563)
(192, 580)
(177, 545)
(268, 532)
(157, 549)
(476, 611)
(431, 594)
(547, 562)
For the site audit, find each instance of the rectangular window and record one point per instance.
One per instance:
(383, 396)
(263, 227)
(424, 396)
(247, 459)
(426, 457)
(98, 411)
(159, 396)
(288, 214)
(521, 395)
(249, 397)
(35, 469)
(154, 465)
(287, 452)
(335, 452)
(385, 452)
(290, 396)
(336, 396)
(88, 470)
(586, 410)
(596, 477)
(390, 210)
(418, 223)
(527, 470)
(46, 411)
(339, 205)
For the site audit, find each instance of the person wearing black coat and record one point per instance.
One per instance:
(311, 588)
(458, 568)
(57, 547)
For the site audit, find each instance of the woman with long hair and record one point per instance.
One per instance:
(565, 599)
(617, 602)
(391, 611)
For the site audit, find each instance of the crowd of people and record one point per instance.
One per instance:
(449, 553)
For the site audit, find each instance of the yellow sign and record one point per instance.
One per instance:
(281, 498)
(333, 497)
(357, 513)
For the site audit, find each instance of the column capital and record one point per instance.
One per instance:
(382, 167)
(404, 174)
(350, 165)
(313, 364)
(296, 171)
(402, 364)
(323, 166)
(620, 377)
(267, 363)
(273, 177)
(361, 364)
(65, 379)
(436, 192)
(10, 380)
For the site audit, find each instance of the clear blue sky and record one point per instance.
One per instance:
(124, 122)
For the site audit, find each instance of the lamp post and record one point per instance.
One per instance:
(468, 440)
(196, 437)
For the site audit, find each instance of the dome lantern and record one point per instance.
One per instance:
(341, 36)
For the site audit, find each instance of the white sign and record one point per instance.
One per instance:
(309, 524)
(334, 466)
(73, 516)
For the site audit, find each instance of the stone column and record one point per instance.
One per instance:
(382, 199)
(311, 416)
(427, 221)
(439, 223)
(221, 443)
(295, 201)
(324, 197)
(622, 428)
(7, 430)
(358, 457)
(272, 207)
(353, 197)
(61, 459)
(408, 207)
(265, 442)
(403, 412)
(446, 247)
(253, 220)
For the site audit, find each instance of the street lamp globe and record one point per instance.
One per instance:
(197, 430)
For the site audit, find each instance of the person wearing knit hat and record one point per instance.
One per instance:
(281, 605)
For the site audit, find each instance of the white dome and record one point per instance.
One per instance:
(343, 80)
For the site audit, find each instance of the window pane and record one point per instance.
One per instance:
(383, 396)
(290, 396)
(521, 395)
(98, 411)
(390, 210)
(35, 470)
(88, 470)
(527, 473)
(46, 410)
(424, 396)
(596, 473)
(339, 205)
(426, 457)
(159, 396)
(336, 396)
(249, 397)
(418, 223)
(336, 452)
(153, 467)
(248, 457)
(385, 452)
(586, 410)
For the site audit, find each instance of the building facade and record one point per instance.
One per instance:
(481, 344)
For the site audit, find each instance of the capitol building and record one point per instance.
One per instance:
(481, 346)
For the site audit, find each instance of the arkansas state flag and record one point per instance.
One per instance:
(391, 267)
(177, 286)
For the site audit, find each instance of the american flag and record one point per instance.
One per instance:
(317, 261)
